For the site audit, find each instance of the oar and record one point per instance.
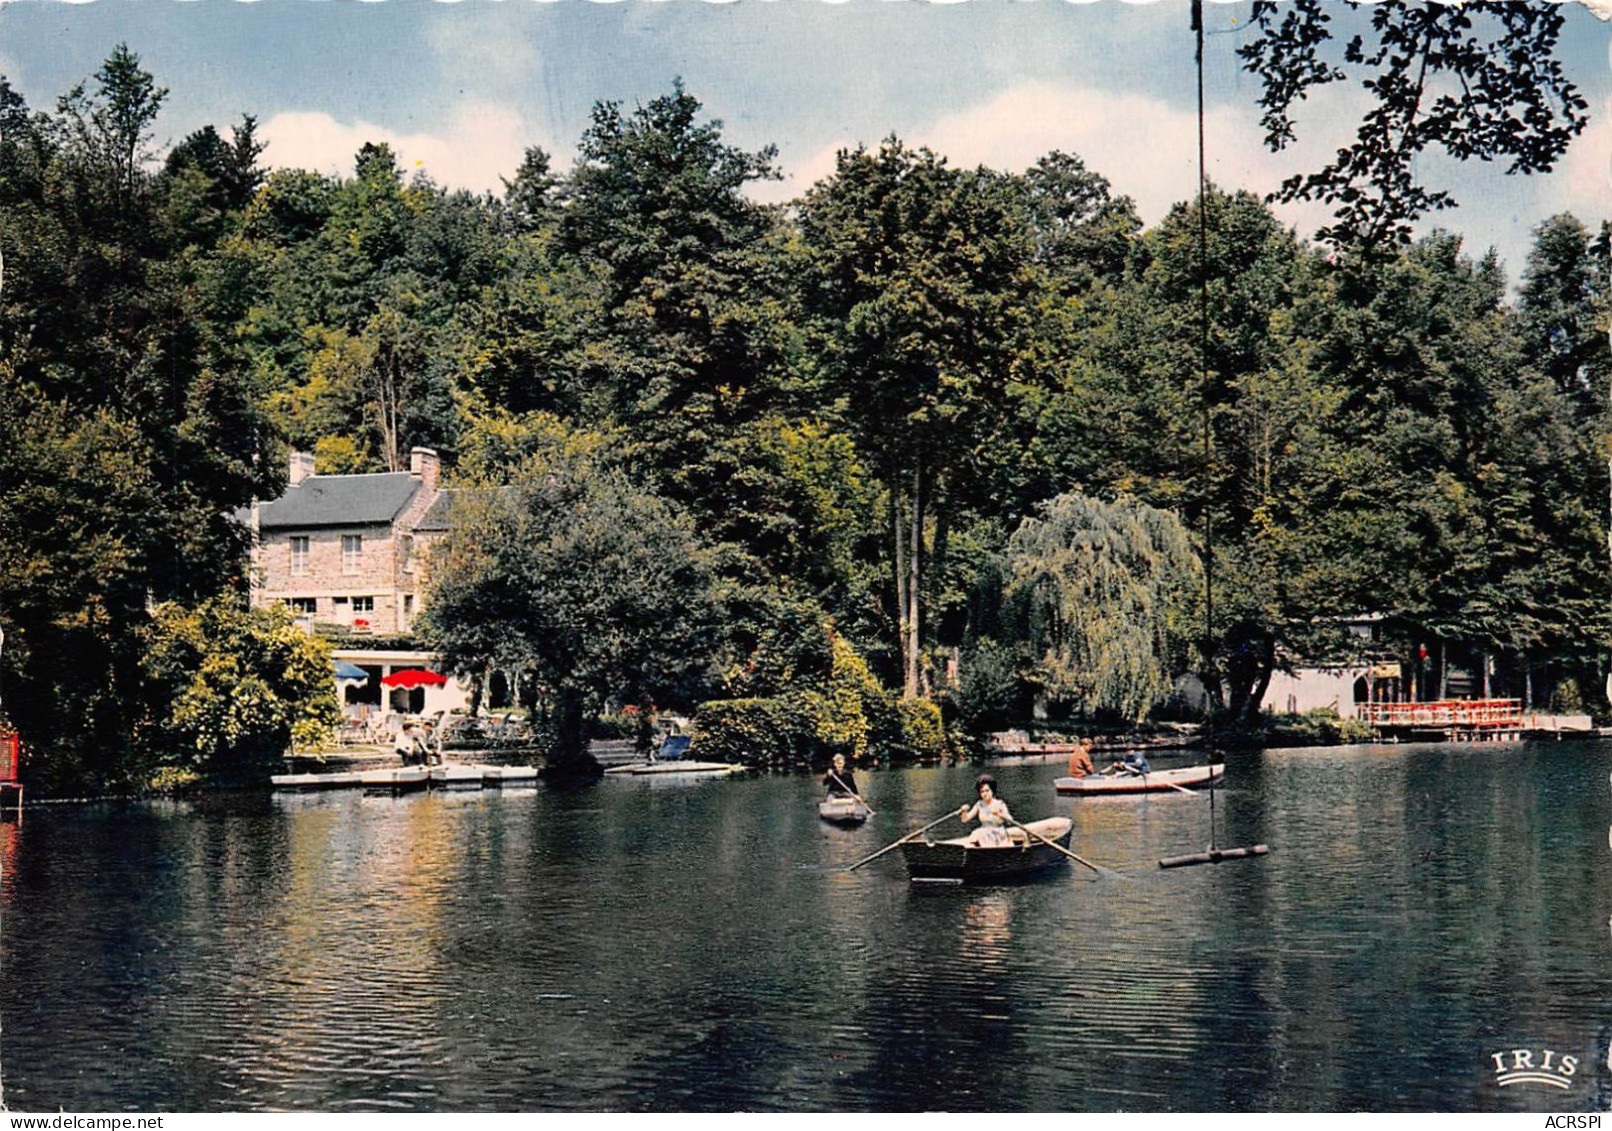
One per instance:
(853, 793)
(1171, 784)
(1101, 871)
(950, 813)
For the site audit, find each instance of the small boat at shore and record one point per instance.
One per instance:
(672, 758)
(1154, 781)
(842, 810)
(960, 861)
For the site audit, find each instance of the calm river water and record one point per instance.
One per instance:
(655, 945)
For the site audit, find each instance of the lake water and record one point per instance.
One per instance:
(650, 945)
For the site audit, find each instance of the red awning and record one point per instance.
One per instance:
(414, 677)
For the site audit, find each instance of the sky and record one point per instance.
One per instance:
(461, 89)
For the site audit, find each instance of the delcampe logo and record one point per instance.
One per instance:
(1527, 1066)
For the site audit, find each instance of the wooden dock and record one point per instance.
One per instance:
(406, 779)
(1447, 720)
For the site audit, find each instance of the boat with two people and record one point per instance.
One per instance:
(1133, 774)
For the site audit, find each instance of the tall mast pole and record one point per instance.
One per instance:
(1203, 355)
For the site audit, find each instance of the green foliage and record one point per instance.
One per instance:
(594, 587)
(1320, 727)
(1106, 592)
(920, 735)
(776, 732)
(232, 690)
(991, 690)
(709, 412)
(1479, 79)
(849, 712)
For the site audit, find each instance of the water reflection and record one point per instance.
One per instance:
(639, 946)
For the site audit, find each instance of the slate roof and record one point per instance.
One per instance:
(340, 500)
(439, 515)
(436, 515)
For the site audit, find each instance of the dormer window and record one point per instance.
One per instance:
(352, 553)
(299, 553)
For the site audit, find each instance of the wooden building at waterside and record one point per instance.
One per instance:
(10, 769)
(1449, 720)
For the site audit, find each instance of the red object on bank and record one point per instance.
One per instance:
(414, 677)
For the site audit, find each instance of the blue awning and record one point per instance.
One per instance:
(344, 670)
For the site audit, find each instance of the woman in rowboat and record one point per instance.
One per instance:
(992, 813)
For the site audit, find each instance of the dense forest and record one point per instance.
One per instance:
(970, 437)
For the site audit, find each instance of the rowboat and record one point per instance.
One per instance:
(957, 860)
(672, 758)
(1154, 781)
(841, 810)
(678, 769)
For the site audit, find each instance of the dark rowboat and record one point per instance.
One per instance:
(839, 810)
(1155, 781)
(958, 860)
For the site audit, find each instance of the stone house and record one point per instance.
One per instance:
(347, 554)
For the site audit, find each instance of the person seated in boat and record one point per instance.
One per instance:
(992, 813)
(1080, 763)
(1134, 762)
(839, 780)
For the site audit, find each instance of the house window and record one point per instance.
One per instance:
(303, 606)
(405, 552)
(408, 609)
(363, 605)
(299, 553)
(352, 553)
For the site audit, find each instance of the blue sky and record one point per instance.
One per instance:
(460, 89)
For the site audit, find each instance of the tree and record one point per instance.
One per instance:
(1479, 79)
(232, 689)
(594, 588)
(111, 127)
(917, 275)
(1566, 308)
(1105, 593)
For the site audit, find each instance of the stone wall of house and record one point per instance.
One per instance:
(379, 576)
(390, 573)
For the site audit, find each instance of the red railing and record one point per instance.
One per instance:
(10, 756)
(1459, 713)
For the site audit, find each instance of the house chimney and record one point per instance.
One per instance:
(301, 466)
(424, 464)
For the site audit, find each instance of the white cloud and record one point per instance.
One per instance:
(1582, 181)
(482, 143)
(799, 175)
(1147, 148)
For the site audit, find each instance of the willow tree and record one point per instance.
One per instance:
(1105, 594)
